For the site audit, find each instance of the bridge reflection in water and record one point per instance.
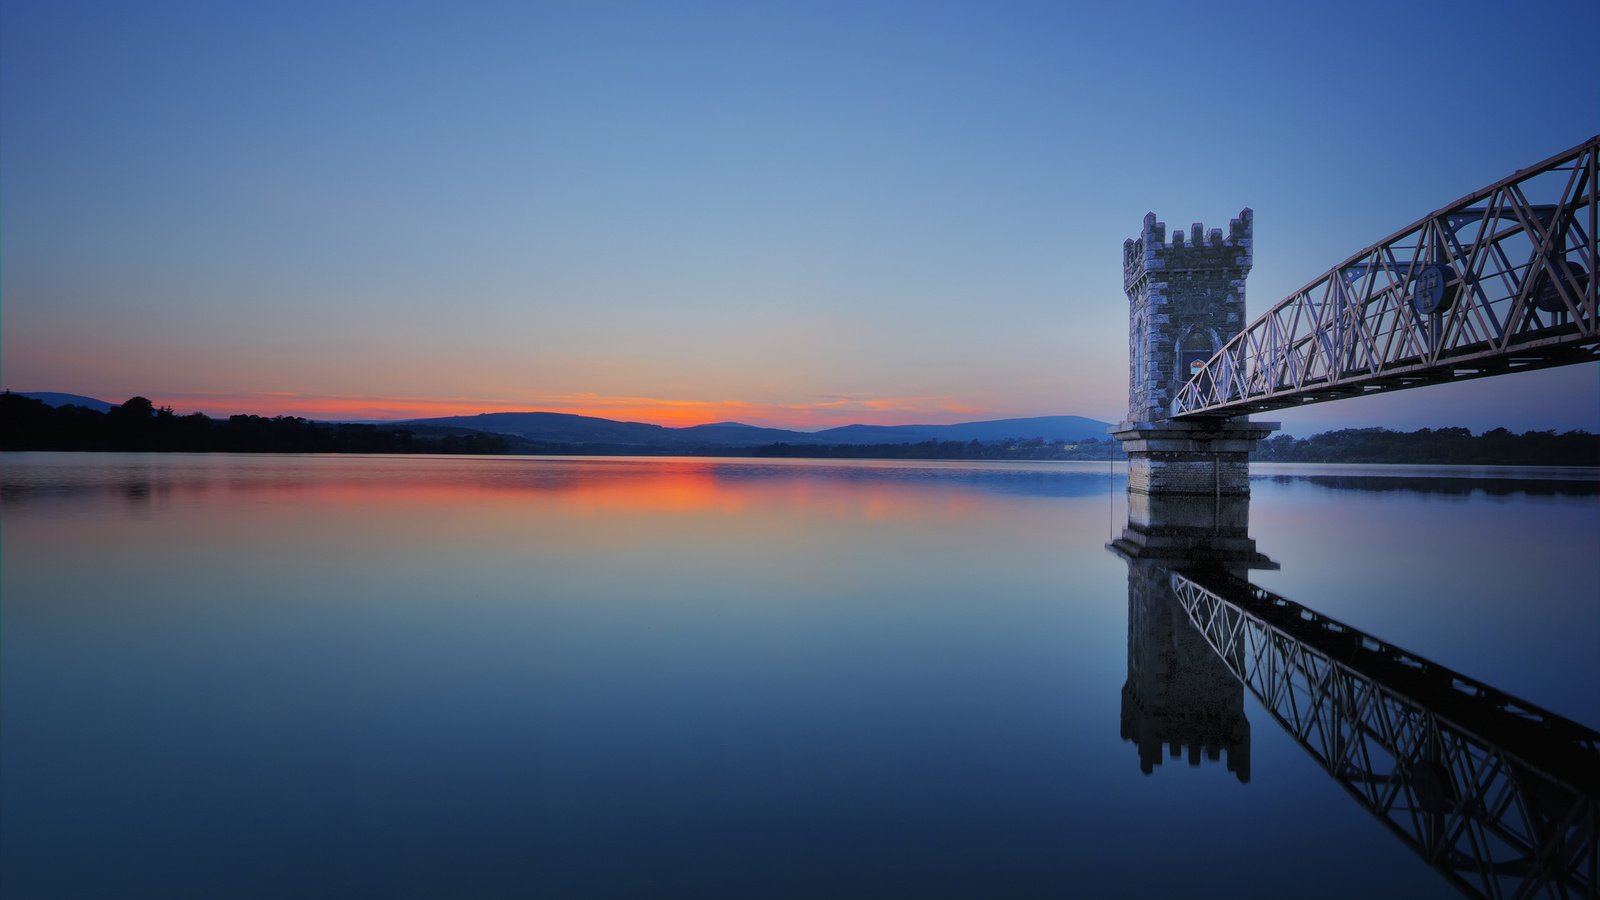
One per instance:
(1498, 795)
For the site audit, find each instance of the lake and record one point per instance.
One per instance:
(326, 676)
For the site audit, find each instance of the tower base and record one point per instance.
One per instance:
(1210, 457)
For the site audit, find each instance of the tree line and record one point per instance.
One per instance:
(1013, 448)
(1437, 446)
(1440, 446)
(137, 425)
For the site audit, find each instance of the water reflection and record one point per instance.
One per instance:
(1498, 795)
(670, 481)
(1179, 693)
(231, 676)
(1494, 487)
(1502, 797)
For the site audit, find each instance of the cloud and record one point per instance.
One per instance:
(821, 404)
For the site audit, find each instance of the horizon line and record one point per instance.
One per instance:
(861, 410)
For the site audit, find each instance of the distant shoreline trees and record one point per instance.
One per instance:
(1438, 446)
(138, 425)
(1014, 449)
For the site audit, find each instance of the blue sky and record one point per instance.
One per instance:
(798, 213)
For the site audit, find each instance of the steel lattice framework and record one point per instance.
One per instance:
(1497, 794)
(1499, 281)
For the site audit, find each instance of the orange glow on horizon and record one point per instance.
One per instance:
(671, 413)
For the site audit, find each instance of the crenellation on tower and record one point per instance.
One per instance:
(1185, 300)
(1239, 229)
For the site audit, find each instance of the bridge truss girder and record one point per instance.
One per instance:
(1500, 796)
(1501, 280)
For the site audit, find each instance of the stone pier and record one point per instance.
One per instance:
(1209, 456)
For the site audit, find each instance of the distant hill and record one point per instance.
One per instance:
(610, 436)
(27, 423)
(738, 434)
(566, 428)
(52, 398)
(562, 428)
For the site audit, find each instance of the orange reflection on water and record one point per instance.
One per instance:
(679, 487)
(586, 488)
(403, 496)
(367, 530)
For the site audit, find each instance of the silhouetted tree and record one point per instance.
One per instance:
(135, 409)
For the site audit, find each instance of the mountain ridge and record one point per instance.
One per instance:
(57, 398)
(576, 429)
(579, 430)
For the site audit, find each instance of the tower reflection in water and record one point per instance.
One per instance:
(1501, 797)
(1180, 696)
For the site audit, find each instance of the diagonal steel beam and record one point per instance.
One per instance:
(1445, 309)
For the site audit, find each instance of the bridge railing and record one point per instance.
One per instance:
(1501, 280)
(1500, 796)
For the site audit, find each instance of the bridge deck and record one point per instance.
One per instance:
(1502, 280)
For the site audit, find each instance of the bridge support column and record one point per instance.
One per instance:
(1178, 456)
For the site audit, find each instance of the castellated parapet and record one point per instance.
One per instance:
(1186, 299)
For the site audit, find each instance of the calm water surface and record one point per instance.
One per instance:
(230, 676)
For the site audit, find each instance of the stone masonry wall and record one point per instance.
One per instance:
(1186, 296)
(1189, 473)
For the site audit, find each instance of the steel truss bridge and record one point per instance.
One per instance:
(1500, 281)
(1500, 796)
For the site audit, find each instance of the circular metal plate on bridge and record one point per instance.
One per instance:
(1547, 297)
(1430, 290)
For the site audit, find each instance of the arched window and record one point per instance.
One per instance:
(1192, 349)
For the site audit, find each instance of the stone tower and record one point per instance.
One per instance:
(1185, 300)
(1188, 491)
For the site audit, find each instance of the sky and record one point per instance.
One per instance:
(796, 214)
